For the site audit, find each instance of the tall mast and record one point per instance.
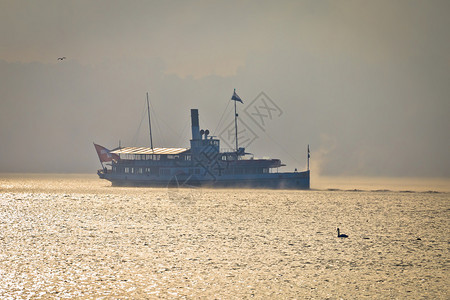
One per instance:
(149, 123)
(235, 98)
(235, 122)
(309, 156)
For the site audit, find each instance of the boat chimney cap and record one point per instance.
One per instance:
(194, 117)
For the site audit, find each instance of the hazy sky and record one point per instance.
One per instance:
(365, 83)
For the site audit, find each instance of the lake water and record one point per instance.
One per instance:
(75, 236)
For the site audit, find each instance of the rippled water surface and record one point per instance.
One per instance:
(77, 237)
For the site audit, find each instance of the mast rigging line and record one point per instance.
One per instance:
(221, 118)
(136, 136)
(157, 121)
(183, 132)
(149, 123)
(282, 148)
(145, 111)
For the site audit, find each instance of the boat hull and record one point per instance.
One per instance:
(295, 180)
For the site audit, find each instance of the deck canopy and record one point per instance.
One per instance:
(145, 150)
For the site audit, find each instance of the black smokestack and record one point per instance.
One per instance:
(195, 124)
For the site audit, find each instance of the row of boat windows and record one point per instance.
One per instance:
(154, 157)
(246, 171)
(153, 171)
(167, 157)
(190, 171)
(130, 170)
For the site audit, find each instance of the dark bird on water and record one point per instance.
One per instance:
(62, 58)
(341, 235)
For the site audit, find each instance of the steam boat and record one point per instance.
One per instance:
(203, 164)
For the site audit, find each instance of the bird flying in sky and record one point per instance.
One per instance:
(62, 58)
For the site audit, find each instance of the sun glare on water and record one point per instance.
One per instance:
(77, 237)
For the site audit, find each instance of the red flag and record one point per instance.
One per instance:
(105, 155)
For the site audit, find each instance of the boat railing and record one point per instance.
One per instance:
(227, 150)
